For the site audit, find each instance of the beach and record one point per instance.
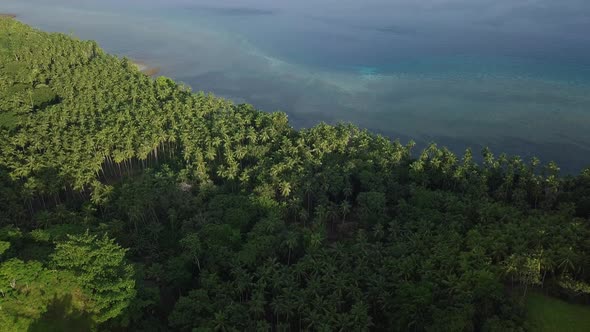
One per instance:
(146, 69)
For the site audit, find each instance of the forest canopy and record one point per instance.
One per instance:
(132, 203)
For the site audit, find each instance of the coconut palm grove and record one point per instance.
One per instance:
(131, 203)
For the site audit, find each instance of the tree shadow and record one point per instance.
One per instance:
(62, 315)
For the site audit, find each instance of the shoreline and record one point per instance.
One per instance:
(144, 68)
(140, 65)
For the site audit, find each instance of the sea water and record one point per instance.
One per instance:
(514, 76)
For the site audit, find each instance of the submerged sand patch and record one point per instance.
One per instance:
(145, 68)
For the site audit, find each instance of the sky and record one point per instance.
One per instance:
(517, 26)
(532, 16)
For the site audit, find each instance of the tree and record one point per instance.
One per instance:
(27, 290)
(344, 210)
(100, 267)
(371, 207)
(192, 244)
(525, 269)
(291, 241)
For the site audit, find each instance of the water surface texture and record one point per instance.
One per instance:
(511, 75)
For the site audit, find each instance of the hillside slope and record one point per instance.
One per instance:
(131, 203)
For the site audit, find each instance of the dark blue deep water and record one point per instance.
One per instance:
(511, 75)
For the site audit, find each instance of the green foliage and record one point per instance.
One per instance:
(8, 120)
(372, 207)
(27, 289)
(4, 247)
(99, 265)
(550, 314)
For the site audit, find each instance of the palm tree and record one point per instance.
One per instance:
(220, 322)
(344, 209)
(257, 303)
(192, 244)
(285, 188)
(291, 242)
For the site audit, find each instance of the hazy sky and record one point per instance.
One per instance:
(550, 20)
(515, 27)
(533, 15)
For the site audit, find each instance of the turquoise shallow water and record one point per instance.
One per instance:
(515, 77)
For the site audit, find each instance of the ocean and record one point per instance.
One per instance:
(513, 76)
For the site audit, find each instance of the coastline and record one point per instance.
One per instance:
(144, 68)
(140, 65)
